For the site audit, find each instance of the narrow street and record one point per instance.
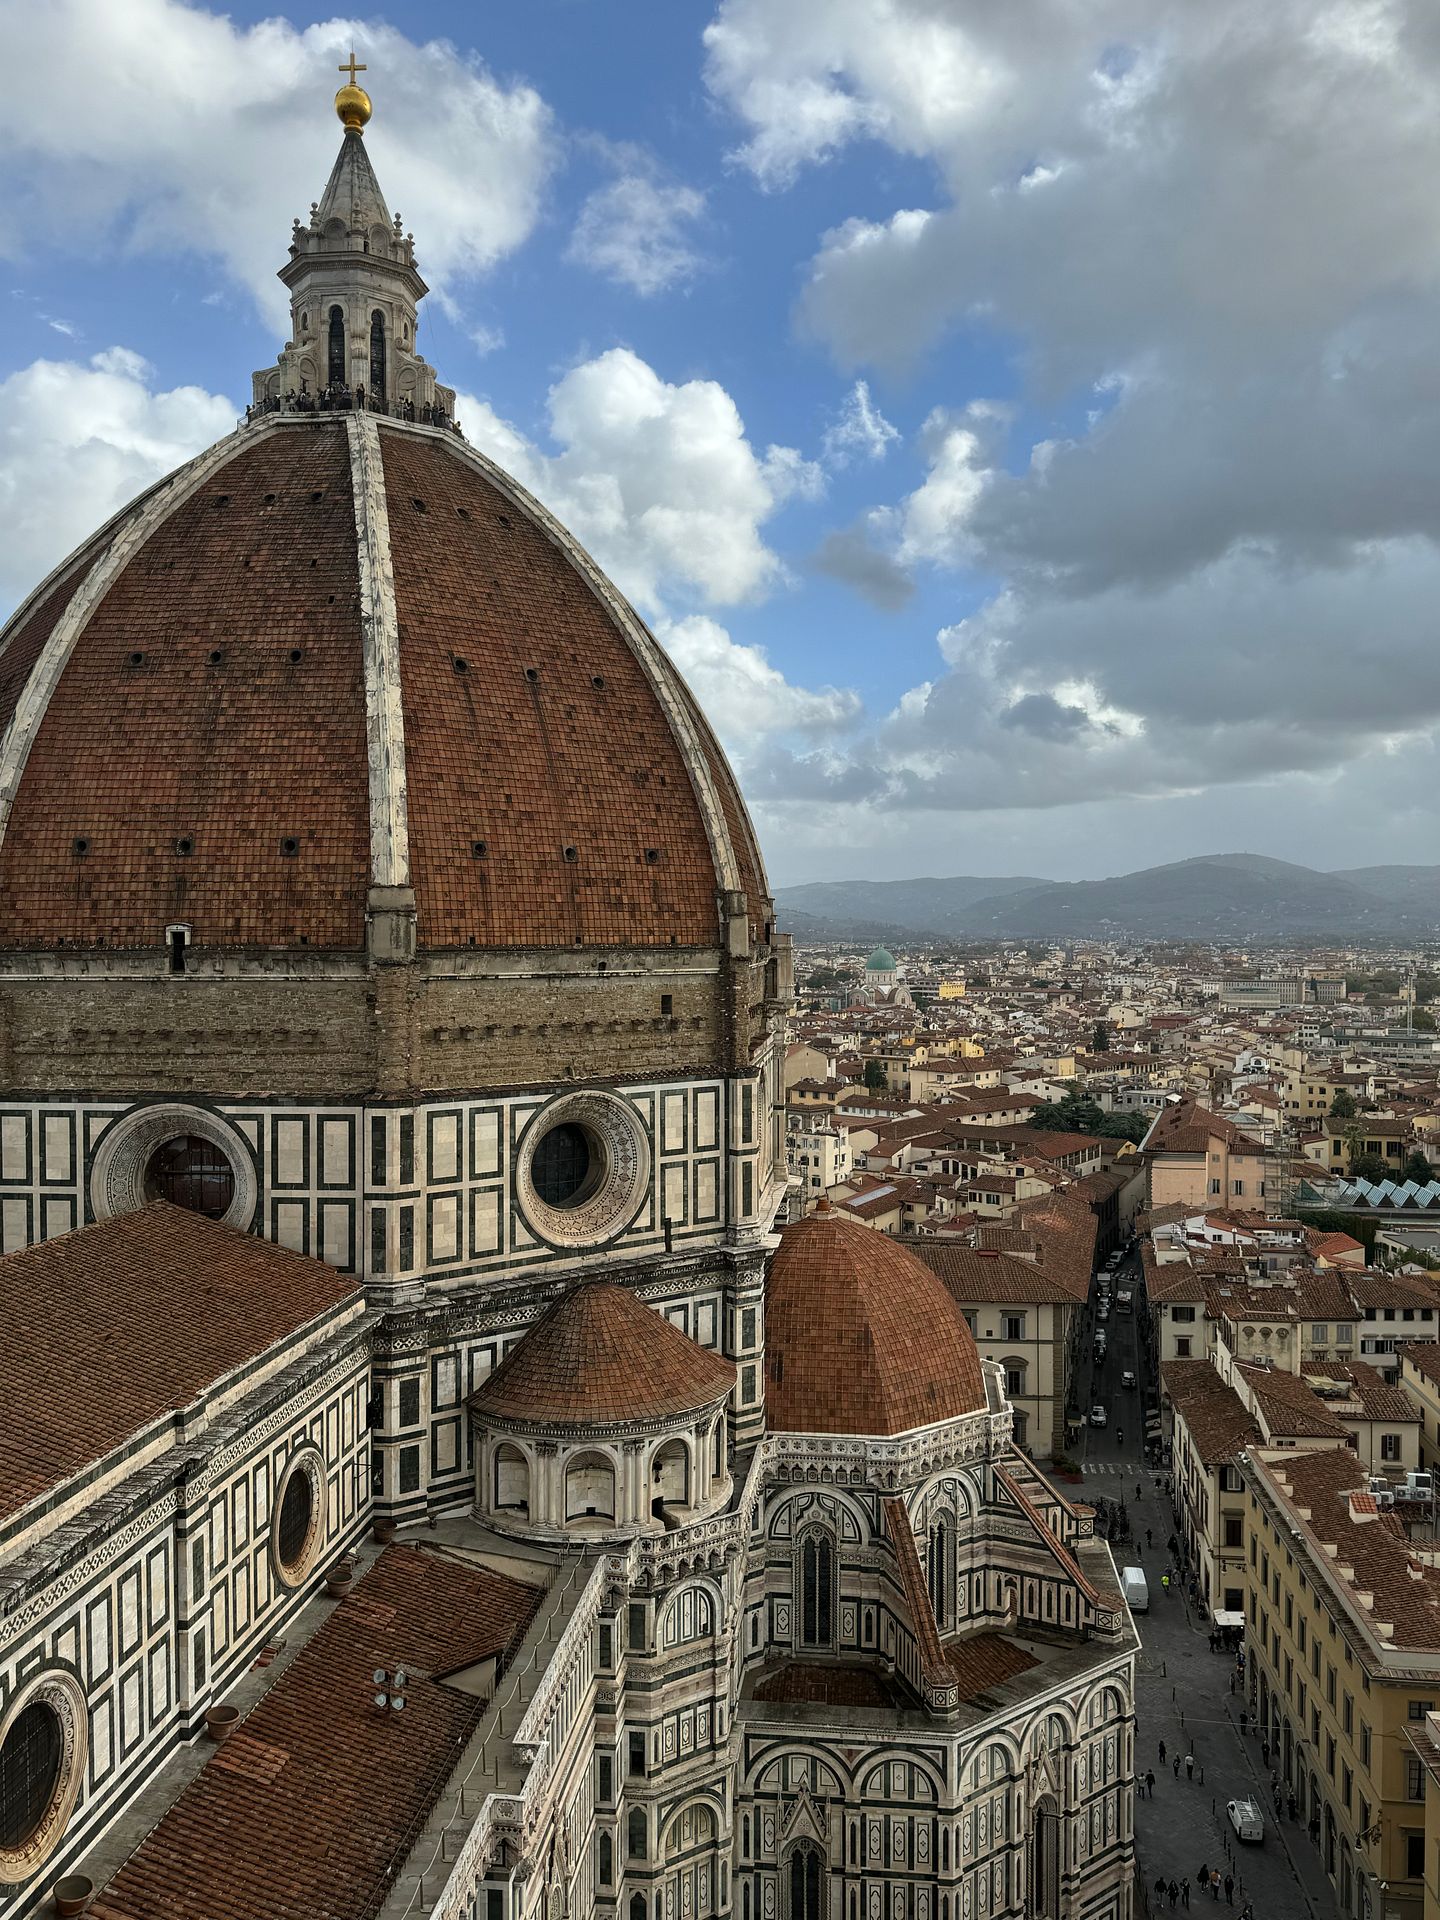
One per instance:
(1185, 1695)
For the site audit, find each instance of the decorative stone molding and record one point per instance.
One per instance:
(117, 1171)
(56, 1689)
(616, 1132)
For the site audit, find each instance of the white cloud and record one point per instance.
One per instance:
(860, 431)
(78, 441)
(659, 481)
(637, 230)
(742, 693)
(178, 82)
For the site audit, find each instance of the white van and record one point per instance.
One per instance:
(1135, 1589)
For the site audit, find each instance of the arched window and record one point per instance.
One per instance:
(670, 1475)
(804, 1882)
(635, 1834)
(377, 355)
(512, 1480)
(637, 1907)
(938, 1570)
(589, 1488)
(1045, 1861)
(604, 1860)
(817, 1590)
(335, 376)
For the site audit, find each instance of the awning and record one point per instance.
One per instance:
(1223, 1619)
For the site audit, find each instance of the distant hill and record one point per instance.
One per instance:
(1241, 897)
(879, 909)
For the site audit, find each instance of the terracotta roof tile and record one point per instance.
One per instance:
(600, 1356)
(328, 1793)
(1217, 1419)
(861, 1337)
(981, 1661)
(132, 1319)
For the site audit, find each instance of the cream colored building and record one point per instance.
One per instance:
(1343, 1638)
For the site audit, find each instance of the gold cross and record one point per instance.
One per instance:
(352, 69)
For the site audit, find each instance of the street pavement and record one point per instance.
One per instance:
(1183, 1692)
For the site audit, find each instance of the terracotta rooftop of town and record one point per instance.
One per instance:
(1216, 1418)
(314, 1799)
(131, 1320)
(1317, 1486)
(599, 1356)
(861, 1337)
(199, 754)
(975, 1274)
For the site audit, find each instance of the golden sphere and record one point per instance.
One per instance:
(352, 103)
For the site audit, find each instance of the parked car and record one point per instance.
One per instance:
(1097, 1415)
(1127, 1378)
(1245, 1819)
(1125, 1296)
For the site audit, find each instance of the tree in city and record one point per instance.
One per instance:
(1343, 1107)
(1369, 1166)
(1079, 1112)
(1100, 1039)
(874, 1076)
(1417, 1168)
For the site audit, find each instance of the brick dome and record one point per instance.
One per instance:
(335, 659)
(860, 1336)
(600, 1357)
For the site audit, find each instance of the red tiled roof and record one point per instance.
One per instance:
(980, 1661)
(320, 1830)
(216, 697)
(600, 1356)
(132, 1319)
(974, 1274)
(860, 1336)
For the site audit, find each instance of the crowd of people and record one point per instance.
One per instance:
(341, 398)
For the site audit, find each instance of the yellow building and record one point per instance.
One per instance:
(952, 989)
(1342, 1620)
(1420, 1383)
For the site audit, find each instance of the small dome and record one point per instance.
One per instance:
(881, 961)
(860, 1336)
(599, 1357)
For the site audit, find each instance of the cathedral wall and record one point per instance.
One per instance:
(158, 1599)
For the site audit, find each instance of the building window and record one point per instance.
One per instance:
(1014, 1326)
(939, 1569)
(1417, 1709)
(1320, 1334)
(1184, 1316)
(377, 356)
(1014, 1378)
(1182, 1348)
(804, 1882)
(1414, 1777)
(817, 1586)
(604, 1860)
(635, 1834)
(192, 1173)
(637, 1756)
(1389, 1446)
(1215, 1186)
(335, 374)
(1414, 1856)
(1234, 1530)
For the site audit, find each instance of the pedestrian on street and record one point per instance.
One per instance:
(1177, 1766)
(1189, 1766)
(1159, 1888)
(1244, 1717)
(1150, 1783)
(1214, 1883)
(1174, 1891)
(1162, 1753)
(1202, 1878)
(1265, 1753)
(1185, 1892)
(1229, 1890)
(1149, 1538)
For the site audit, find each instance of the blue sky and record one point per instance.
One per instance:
(1018, 424)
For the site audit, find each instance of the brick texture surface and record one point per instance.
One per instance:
(860, 1336)
(314, 1800)
(164, 1303)
(232, 755)
(26, 642)
(600, 1355)
(529, 766)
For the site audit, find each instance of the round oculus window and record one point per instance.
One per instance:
(568, 1164)
(297, 1527)
(193, 1173)
(187, 1155)
(42, 1759)
(582, 1169)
